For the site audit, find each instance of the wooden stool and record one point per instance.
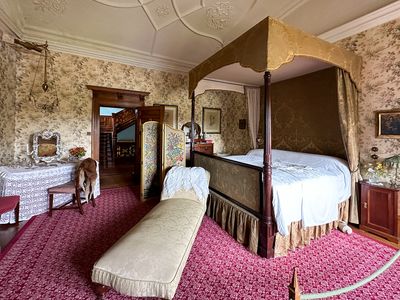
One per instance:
(9, 203)
(67, 188)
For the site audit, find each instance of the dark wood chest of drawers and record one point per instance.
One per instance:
(207, 148)
(380, 210)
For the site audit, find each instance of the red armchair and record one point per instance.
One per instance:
(9, 203)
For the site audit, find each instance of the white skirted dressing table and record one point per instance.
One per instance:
(31, 184)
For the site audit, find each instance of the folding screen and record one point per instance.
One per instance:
(150, 166)
(161, 150)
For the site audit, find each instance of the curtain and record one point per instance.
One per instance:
(253, 109)
(348, 116)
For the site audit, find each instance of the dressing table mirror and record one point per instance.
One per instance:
(46, 146)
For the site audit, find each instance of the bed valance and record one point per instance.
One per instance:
(269, 45)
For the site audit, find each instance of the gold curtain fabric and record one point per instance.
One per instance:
(348, 116)
(270, 44)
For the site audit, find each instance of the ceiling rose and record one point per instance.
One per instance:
(53, 6)
(219, 15)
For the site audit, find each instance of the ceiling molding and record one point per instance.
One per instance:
(217, 39)
(105, 51)
(13, 25)
(378, 17)
(291, 8)
(118, 4)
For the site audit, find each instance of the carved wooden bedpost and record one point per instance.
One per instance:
(192, 131)
(267, 228)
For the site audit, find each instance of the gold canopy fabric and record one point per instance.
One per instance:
(270, 44)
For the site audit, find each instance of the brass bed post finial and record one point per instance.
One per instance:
(294, 290)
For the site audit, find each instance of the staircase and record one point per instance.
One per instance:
(106, 150)
(110, 126)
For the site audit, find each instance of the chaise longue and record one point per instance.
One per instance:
(148, 260)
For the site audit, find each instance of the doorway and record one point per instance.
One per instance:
(117, 146)
(116, 163)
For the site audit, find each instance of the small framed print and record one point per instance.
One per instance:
(388, 124)
(170, 115)
(211, 120)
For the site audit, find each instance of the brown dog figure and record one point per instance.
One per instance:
(86, 176)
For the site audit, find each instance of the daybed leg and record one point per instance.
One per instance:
(100, 290)
(294, 290)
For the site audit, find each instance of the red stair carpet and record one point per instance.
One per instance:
(53, 258)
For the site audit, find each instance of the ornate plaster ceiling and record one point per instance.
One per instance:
(166, 34)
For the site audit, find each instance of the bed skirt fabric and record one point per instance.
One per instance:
(244, 227)
(241, 225)
(299, 237)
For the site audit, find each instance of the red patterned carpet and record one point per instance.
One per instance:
(53, 257)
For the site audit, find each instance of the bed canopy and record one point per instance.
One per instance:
(274, 51)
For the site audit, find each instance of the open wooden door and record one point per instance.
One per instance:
(144, 114)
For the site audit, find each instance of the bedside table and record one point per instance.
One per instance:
(380, 210)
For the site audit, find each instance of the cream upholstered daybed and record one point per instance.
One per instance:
(148, 260)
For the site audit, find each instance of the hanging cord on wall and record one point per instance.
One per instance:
(47, 106)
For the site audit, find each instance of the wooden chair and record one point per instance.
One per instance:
(67, 188)
(9, 203)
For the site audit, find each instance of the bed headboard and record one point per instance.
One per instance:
(305, 114)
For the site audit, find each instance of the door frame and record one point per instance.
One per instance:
(110, 97)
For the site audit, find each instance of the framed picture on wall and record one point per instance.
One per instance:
(211, 120)
(388, 124)
(170, 114)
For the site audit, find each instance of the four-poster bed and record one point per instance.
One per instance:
(268, 49)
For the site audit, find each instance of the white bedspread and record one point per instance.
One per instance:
(305, 187)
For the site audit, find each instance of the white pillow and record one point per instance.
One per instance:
(256, 152)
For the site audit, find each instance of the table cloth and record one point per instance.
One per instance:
(31, 184)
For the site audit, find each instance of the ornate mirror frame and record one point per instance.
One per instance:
(37, 141)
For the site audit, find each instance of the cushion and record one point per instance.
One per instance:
(148, 261)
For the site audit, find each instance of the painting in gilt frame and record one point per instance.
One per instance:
(388, 124)
(170, 115)
(211, 120)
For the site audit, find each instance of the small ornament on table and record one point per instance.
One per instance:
(76, 153)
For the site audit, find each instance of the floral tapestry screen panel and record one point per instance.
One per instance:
(211, 120)
(388, 124)
(173, 148)
(150, 171)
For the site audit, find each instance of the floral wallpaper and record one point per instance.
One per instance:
(66, 106)
(7, 102)
(233, 107)
(380, 83)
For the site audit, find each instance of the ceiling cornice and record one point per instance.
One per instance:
(13, 25)
(110, 52)
(378, 17)
(105, 51)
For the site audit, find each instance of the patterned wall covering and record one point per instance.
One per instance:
(72, 116)
(7, 102)
(233, 107)
(380, 82)
(305, 114)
